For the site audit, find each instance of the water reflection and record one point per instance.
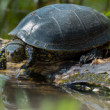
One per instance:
(21, 93)
(90, 101)
(30, 95)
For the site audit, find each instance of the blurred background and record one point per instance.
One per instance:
(12, 11)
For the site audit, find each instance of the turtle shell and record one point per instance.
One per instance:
(65, 27)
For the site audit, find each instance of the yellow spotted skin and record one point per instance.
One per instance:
(2, 60)
(52, 56)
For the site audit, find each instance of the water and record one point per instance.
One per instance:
(20, 94)
(30, 95)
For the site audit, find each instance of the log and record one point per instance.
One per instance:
(87, 74)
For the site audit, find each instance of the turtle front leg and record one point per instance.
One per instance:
(30, 61)
(91, 55)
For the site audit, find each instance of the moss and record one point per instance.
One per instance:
(96, 79)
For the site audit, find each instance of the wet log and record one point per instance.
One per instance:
(91, 75)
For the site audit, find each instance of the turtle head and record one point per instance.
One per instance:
(15, 51)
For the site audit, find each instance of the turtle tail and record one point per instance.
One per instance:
(2, 59)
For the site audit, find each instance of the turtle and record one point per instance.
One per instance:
(55, 33)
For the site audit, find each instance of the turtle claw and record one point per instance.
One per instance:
(27, 72)
(17, 75)
(86, 58)
(82, 60)
(22, 67)
(91, 55)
